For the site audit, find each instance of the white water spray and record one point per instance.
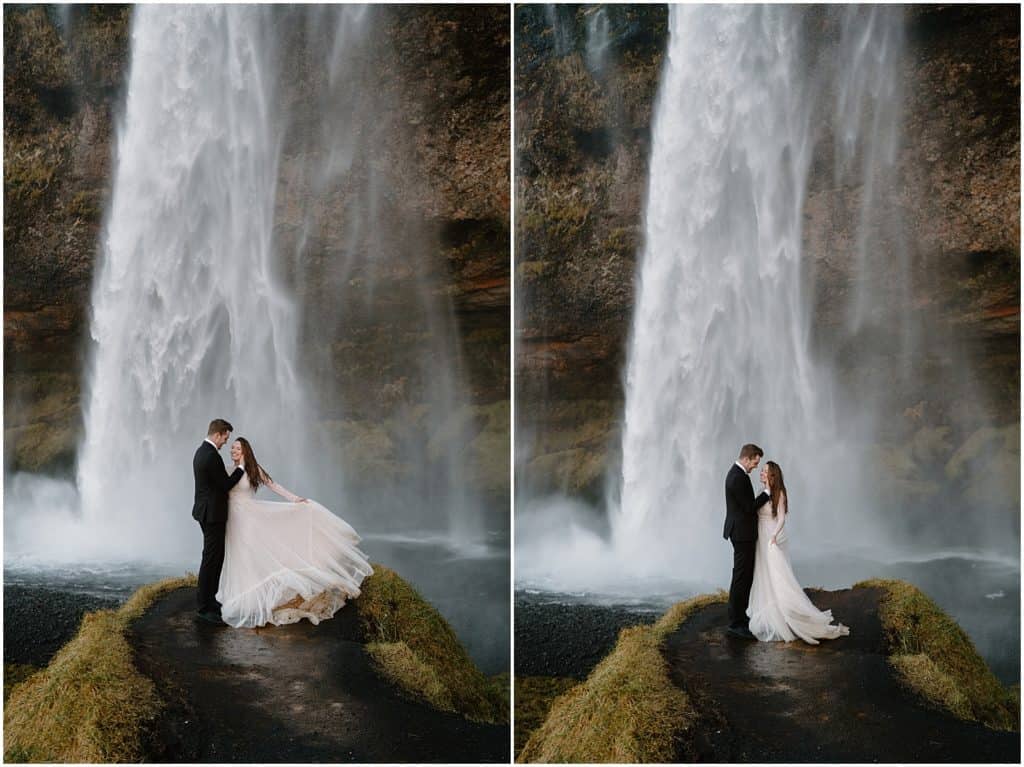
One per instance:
(189, 319)
(719, 352)
(191, 315)
(720, 346)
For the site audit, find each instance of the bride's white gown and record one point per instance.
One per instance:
(778, 609)
(286, 561)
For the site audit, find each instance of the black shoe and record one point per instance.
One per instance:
(209, 617)
(740, 632)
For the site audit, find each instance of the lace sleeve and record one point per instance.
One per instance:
(284, 493)
(781, 516)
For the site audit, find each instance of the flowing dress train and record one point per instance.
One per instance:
(286, 561)
(778, 609)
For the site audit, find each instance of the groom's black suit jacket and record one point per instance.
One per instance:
(212, 485)
(741, 506)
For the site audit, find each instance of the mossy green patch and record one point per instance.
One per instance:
(30, 172)
(934, 657)
(87, 204)
(628, 710)
(415, 647)
(90, 704)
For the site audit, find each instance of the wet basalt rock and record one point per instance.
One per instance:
(39, 621)
(563, 640)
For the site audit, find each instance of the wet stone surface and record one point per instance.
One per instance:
(554, 639)
(39, 621)
(838, 701)
(297, 693)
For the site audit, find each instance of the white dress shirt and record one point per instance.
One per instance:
(241, 464)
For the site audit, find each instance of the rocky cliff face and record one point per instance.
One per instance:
(582, 134)
(439, 76)
(582, 142)
(63, 74)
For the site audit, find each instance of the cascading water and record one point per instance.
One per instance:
(719, 353)
(720, 349)
(270, 256)
(189, 320)
(598, 40)
(390, 274)
(194, 314)
(868, 112)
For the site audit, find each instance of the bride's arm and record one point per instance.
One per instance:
(781, 517)
(286, 494)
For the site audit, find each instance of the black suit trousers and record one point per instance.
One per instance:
(742, 579)
(212, 564)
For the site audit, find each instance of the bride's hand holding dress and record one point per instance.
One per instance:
(286, 561)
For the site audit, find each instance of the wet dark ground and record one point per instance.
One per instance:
(567, 640)
(39, 621)
(835, 702)
(298, 693)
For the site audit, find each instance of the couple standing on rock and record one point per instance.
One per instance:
(264, 561)
(765, 598)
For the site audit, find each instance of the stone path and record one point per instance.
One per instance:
(298, 693)
(835, 702)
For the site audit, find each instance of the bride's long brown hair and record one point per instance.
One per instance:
(257, 474)
(778, 485)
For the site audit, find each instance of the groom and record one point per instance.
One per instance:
(741, 528)
(210, 510)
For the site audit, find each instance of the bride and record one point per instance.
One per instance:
(779, 610)
(283, 561)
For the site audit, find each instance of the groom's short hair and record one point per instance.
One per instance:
(749, 451)
(218, 426)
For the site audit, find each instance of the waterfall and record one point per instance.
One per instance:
(598, 40)
(558, 17)
(189, 319)
(720, 352)
(389, 272)
(868, 112)
(721, 348)
(227, 278)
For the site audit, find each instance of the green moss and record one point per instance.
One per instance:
(560, 216)
(935, 658)
(628, 710)
(534, 696)
(42, 446)
(29, 174)
(414, 646)
(621, 242)
(90, 704)
(87, 204)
